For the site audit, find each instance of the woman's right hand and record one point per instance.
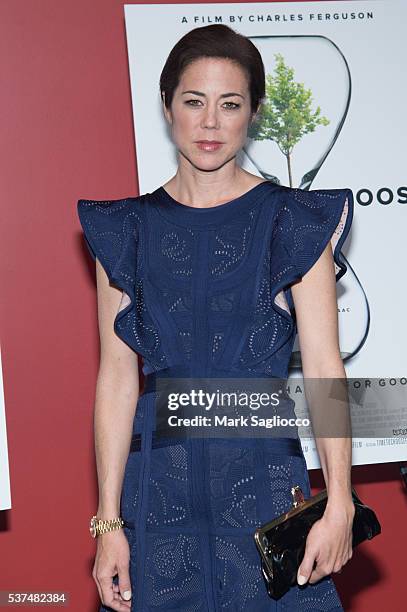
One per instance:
(113, 557)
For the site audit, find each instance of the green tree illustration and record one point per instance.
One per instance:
(285, 115)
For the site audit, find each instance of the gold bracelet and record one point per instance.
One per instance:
(99, 526)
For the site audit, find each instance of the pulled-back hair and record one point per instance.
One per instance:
(217, 41)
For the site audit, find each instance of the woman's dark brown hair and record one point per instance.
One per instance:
(218, 41)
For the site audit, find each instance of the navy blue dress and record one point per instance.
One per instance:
(206, 292)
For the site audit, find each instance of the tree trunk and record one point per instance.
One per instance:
(290, 177)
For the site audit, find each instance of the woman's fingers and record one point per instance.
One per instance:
(124, 582)
(109, 597)
(328, 548)
(306, 566)
(111, 572)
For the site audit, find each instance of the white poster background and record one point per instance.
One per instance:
(367, 155)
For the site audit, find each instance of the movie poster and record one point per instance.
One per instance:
(348, 60)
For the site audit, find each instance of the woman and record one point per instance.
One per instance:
(211, 275)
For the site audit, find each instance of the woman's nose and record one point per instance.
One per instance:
(210, 118)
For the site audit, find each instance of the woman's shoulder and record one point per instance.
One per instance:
(307, 220)
(314, 198)
(116, 215)
(111, 229)
(111, 205)
(314, 205)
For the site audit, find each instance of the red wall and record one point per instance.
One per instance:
(67, 133)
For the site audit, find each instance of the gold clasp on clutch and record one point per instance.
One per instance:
(298, 496)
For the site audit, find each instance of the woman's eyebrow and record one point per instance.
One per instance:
(225, 95)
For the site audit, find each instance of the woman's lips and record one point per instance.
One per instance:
(209, 145)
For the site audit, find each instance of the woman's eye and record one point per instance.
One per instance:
(230, 105)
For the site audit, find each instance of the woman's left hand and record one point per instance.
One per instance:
(329, 543)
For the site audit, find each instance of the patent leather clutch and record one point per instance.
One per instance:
(281, 542)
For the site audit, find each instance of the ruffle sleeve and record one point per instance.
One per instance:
(305, 223)
(111, 231)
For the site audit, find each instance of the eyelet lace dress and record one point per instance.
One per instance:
(207, 292)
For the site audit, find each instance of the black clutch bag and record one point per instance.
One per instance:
(281, 542)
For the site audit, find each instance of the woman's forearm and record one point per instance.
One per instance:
(327, 393)
(115, 404)
(335, 455)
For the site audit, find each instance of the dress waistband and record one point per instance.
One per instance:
(182, 371)
(277, 446)
(178, 371)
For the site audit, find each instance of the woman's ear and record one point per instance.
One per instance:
(166, 112)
